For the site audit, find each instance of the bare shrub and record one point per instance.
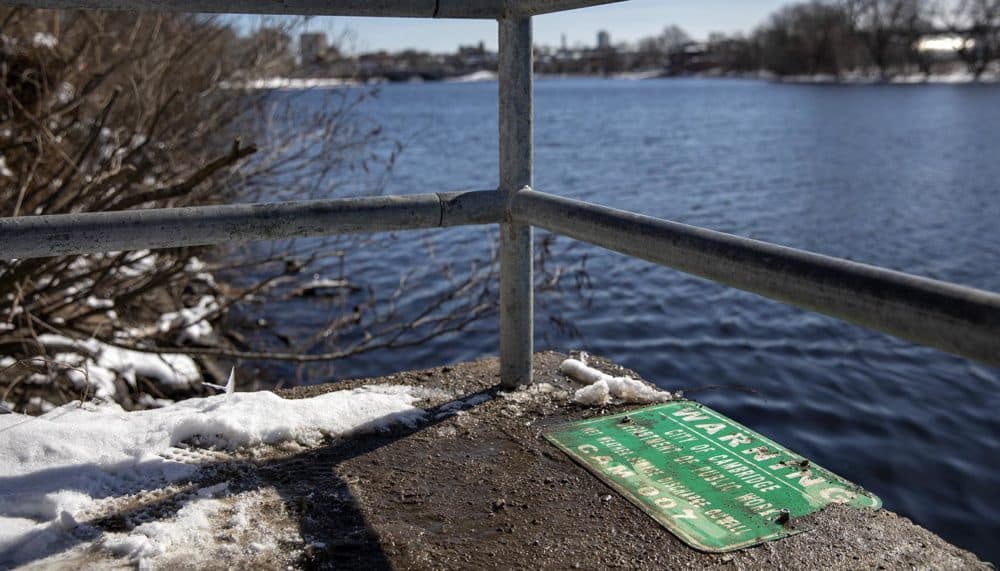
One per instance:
(112, 111)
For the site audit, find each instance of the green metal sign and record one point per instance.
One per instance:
(713, 482)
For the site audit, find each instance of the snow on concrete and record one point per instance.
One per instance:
(221, 526)
(533, 392)
(190, 526)
(602, 387)
(60, 468)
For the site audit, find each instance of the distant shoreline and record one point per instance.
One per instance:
(303, 83)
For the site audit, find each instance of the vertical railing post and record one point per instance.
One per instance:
(516, 158)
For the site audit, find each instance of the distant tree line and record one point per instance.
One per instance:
(834, 37)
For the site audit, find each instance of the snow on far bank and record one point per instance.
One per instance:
(58, 469)
(474, 77)
(602, 387)
(956, 77)
(638, 75)
(290, 83)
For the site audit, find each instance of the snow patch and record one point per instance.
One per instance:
(197, 269)
(65, 92)
(44, 40)
(533, 392)
(191, 323)
(62, 466)
(95, 302)
(189, 527)
(103, 361)
(137, 263)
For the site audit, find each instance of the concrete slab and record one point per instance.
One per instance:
(478, 487)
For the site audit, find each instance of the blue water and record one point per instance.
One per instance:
(902, 177)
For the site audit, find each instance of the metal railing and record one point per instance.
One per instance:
(466, 9)
(957, 319)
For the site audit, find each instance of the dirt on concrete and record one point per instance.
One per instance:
(477, 487)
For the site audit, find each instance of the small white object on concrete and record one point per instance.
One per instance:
(602, 387)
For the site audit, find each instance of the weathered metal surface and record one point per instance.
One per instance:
(479, 9)
(536, 7)
(957, 319)
(713, 482)
(516, 163)
(471, 207)
(40, 236)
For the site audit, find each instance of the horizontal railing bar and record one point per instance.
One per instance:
(478, 9)
(86, 233)
(397, 8)
(957, 319)
(536, 7)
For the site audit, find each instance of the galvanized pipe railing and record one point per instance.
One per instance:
(517, 328)
(63, 234)
(477, 9)
(957, 319)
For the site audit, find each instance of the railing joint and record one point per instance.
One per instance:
(508, 201)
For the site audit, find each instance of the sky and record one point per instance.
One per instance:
(626, 21)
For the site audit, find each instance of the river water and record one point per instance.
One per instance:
(904, 177)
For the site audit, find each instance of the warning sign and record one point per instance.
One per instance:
(713, 482)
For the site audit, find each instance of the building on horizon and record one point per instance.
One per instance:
(603, 40)
(312, 47)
